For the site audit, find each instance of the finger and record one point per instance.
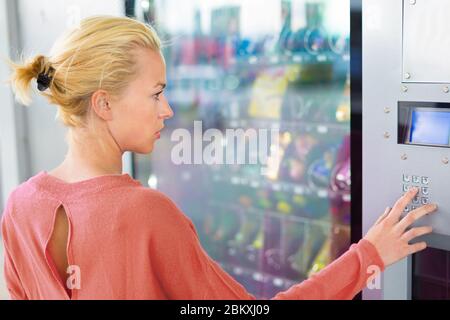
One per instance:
(415, 215)
(384, 215)
(416, 247)
(416, 232)
(401, 204)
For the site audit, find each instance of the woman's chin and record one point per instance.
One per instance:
(149, 149)
(145, 149)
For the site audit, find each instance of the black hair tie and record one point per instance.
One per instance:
(44, 80)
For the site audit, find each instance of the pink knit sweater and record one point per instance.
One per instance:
(132, 242)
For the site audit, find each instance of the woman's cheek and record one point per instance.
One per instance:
(142, 113)
(150, 117)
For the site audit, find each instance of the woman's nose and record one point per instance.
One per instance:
(166, 112)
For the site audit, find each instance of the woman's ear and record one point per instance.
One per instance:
(100, 103)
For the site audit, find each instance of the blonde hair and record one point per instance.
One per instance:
(95, 55)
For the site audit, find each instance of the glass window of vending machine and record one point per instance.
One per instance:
(277, 65)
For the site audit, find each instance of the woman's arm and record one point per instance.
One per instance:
(184, 269)
(187, 272)
(342, 279)
(12, 279)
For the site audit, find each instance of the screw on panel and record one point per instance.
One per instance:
(407, 75)
(412, 2)
(387, 135)
(446, 90)
(445, 160)
(404, 156)
(387, 110)
(404, 88)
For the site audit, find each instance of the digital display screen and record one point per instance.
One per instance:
(430, 127)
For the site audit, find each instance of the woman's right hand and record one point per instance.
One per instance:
(390, 234)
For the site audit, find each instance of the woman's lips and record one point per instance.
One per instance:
(158, 134)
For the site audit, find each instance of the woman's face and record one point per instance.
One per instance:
(138, 114)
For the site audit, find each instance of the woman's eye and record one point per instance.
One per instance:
(157, 96)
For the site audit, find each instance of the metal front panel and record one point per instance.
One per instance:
(384, 160)
(426, 41)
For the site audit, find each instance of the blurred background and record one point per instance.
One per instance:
(277, 64)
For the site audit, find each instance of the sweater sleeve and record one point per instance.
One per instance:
(184, 269)
(13, 282)
(186, 272)
(342, 279)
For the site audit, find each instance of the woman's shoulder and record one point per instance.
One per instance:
(156, 205)
(149, 197)
(18, 195)
(14, 199)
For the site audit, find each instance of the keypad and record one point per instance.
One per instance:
(423, 196)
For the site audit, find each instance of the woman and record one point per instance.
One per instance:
(86, 231)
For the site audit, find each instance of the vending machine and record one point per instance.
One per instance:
(282, 65)
(406, 133)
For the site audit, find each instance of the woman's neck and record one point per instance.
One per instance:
(89, 156)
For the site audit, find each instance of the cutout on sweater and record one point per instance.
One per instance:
(56, 250)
